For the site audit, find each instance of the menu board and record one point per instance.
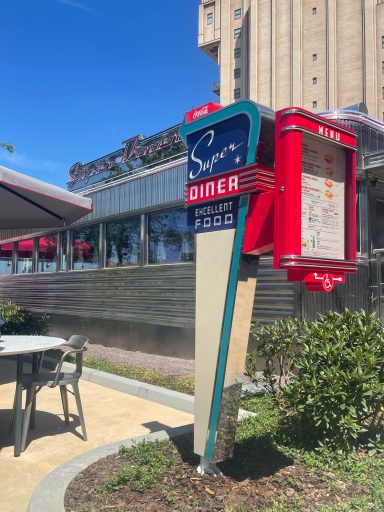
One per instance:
(323, 200)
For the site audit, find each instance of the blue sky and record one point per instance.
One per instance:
(80, 76)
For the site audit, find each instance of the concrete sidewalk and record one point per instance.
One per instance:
(110, 416)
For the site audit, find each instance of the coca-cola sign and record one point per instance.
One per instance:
(199, 112)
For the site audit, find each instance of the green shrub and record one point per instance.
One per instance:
(276, 344)
(337, 386)
(19, 320)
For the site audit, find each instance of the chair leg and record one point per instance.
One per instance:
(27, 415)
(75, 386)
(64, 400)
(13, 415)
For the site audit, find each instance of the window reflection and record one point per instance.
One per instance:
(47, 253)
(85, 245)
(170, 239)
(123, 243)
(6, 258)
(63, 242)
(24, 256)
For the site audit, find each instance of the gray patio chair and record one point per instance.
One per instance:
(35, 381)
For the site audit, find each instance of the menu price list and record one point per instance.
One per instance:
(323, 200)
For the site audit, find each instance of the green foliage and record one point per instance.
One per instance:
(337, 388)
(7, 146)
(19, 320)
(146, 462)
(277, 345)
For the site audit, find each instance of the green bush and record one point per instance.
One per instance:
(337, 388)
(327, 376)
(19, 320)
(276, 345)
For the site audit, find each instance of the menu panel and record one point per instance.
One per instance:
(323, 200)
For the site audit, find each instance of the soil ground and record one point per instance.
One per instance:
(255, 479)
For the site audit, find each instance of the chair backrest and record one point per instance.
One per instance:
(77, 342)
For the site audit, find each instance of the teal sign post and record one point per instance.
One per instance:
(222, 147)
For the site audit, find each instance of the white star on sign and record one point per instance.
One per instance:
(237, 160)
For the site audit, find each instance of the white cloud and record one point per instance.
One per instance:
(76, 5)
(32, 166)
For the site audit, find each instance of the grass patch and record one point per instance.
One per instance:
(154, 377)
(145, 463)
(181, 384)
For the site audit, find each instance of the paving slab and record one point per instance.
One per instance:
(110, 416)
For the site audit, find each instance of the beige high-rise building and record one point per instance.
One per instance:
(317, 54)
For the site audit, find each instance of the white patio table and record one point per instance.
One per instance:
(19, 346)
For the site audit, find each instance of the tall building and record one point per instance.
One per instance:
(318, 54)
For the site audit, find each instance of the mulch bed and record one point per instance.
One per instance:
(257, 475)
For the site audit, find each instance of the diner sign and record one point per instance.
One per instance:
(127, 159)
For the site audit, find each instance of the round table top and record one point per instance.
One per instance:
(24, 344)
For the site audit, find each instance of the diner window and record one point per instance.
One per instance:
(236, 73)
(236, 93)
(123, 243)
(210, 18)
(24, 256)
(63, 250)
(237, 14)
(237, 53)
(170, 239)
(85, 247)
(47, 253)
(237, 33)
(6, 251)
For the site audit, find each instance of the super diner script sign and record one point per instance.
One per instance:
(219, 143)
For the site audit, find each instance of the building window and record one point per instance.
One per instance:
(237, 53)
(314, 104)
(314, 10)
(170, 239)
(382, 41)
(123, 243)
(236, 93)
(210, 18)
(314, 56)
(236, 73)
(314, 80)
(85, 247)
(382, 92)
(237, 14)
(237, 33)
(24, 256)
(47, 253)
(382, 66)
(6, 259)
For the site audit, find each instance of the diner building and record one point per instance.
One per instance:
(124, 275)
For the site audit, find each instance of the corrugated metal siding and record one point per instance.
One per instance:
(275, 296)
(160, 295)
(141, 192)
(352, 295)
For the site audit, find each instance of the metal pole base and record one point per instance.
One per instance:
(208, 468)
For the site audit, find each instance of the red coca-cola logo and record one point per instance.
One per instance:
(202, 111)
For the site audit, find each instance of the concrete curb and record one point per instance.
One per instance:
(49, 494)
